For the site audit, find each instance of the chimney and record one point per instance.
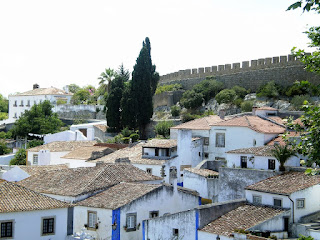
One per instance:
(66, 88)
(35, 86)
(254, 110)
(222, 113)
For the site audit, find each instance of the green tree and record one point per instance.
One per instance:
(34, 143)
(191, 99)
(73, 88)
(19, 158)
(270, 90)
(163, 128)
(4, 104)
(226, 96)
(3, 147)
(106, 78)
(209, 88)
(38, 120)
(282, 154)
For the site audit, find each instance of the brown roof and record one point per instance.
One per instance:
(253, 122)
(134, 153)
(64, 146)
(257, 151)
(243, 217)
(161, 143)
(102, 127)
(88, 153)
(119, 195)
(35, 169)
(277, 119)
(202, 172)
(43, 91)
(200, 124)
(286, 183)
(279, 140)
(78, 181)
(15, 198)
(267, 108)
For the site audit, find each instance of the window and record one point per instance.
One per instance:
(131, 222)
(15, 103)
(205, 141)
(156, 152)
(28, 103)
(167, 152)
(21, 103)
(153, 214)
(277, 202)
(47, 226)
(243, 162)
(206, 155)
(175, 232)
(257, 199)
(149, 170)
(35, 159)
(254, 142)
(92, 219)
(300, 202)
(220, 139)
(271, 164)
(6, 229)
(15, 115)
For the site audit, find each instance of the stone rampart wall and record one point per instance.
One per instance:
(283, 70)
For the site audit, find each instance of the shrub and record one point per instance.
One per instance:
(246, 106)
(226, 96)
(270, 90)
(163, 128)
(299, 88)
(61, 101)
(298, 101)
(175, 111)
(191, 99)
(167, 88)
(19, 158)
(240, 91)
(209, 88)
(34, 143)
(3, 148)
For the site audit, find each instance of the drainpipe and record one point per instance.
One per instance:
(292, 209)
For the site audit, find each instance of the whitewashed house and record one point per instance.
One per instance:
(20, 102)
(265, 111)
(20, 172)
(92, 131)
(258, 158)
(118, 212)
(76, 184)
(64, 136)
(51, 153)
(25, 214)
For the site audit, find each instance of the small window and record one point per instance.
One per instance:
(256, 199)
(220, 140)
(15, 115)
(92, 219)
(15, 103)
(206, 141)
(167, 152)
(300, 203)
(6, 229)
(176, 232)
(47, 226)
(21, 103)
(35, 159)
(153, 214)
(149, 170)
(244, 163)
(131, 222)
(277, 202)
(271, 164)
(206, 155)
(28, 104)
(254, 142)
(156, 152)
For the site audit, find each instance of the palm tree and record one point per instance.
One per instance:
(106, 78)
(282, 154)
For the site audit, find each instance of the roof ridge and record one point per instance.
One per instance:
(84, 188)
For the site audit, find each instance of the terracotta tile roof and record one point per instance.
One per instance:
(267, 108)
(286, 183)
(161, 143)
(257, 151)
(202, 172)
(134, 153)
(64, 146)
(78, 181)
(277, 119)
(119, 195)
(15, 198)
(102, 127)
(243, 217)
(199, 124)
(253, 122)
(43, 91)
(88, 153)
(36, 169)
(279, 140)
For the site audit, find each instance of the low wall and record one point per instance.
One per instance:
(167, 98)
(67, 111)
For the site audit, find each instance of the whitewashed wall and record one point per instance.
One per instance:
(211, 236)
(27, 225)
(64, 136)
(15, 174)
(5, 159)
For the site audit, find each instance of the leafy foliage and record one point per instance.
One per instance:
(4, 104)
(309, 5)
(270, 90)
(73, 88)
(163, 128)
(298, 101)
(168, 88)
(301, 237)
(38, 120)
(282, 154)
(191, 99)
(34, 143)
(85, 95)
(3, 115)
(299, 88)
(175, 110)
(246, 106)
(3, 148)
(209, 88)
(226, 96)
(19, 158)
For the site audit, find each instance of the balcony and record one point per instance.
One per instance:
(159, 157)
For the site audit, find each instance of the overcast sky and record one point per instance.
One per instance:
(55, 43)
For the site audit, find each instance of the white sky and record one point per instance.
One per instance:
(55, 43)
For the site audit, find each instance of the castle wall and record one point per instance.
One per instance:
(284, 70)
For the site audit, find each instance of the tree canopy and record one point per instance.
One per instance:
(40, 119)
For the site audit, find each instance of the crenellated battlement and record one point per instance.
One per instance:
(226, 69)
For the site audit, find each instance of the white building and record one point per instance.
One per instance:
(25, 214)
(51, 153)
(92, 131)
(18, 173)
(118, 212)
(20, 102)
(258, 158)
(76, 184)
